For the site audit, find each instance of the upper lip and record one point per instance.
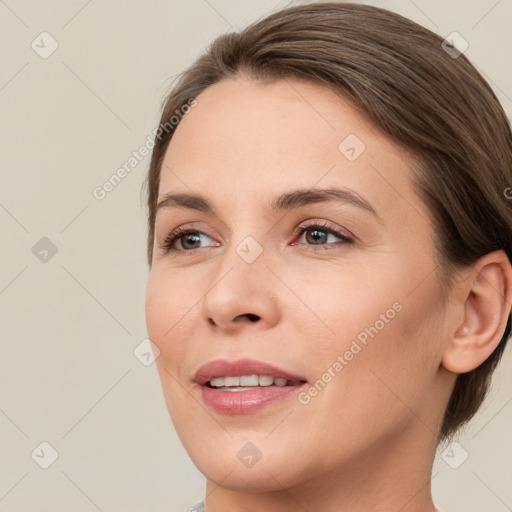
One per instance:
(225, 368)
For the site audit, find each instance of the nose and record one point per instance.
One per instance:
(242, 295)
(239, 319)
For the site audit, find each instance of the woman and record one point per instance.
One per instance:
(329, 246)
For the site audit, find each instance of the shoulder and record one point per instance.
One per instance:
(199, 507)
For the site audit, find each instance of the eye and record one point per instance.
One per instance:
(315, 234)
(188, 239)
(318, 235)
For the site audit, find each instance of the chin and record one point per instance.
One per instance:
(243, 466)
(262, 477)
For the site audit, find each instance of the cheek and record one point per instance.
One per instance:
(377, 339)
(170, 310)
(347, 304)
(170, 322)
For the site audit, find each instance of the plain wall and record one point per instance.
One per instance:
(70, 323)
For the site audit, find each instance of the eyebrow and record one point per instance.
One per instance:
(285, 201)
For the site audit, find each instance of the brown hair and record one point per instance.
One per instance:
(433, 103)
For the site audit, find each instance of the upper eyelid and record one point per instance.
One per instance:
(315, 221)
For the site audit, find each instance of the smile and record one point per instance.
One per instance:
(244, 386)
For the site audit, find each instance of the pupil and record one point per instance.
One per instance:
(188, 238)
(317, 235)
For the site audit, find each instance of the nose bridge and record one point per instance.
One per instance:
(241, 286)
(246, 248)
(243, 265)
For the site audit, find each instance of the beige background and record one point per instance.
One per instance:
(68, 373)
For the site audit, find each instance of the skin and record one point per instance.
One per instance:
(367, 440)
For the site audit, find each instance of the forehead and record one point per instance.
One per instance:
(247, 140)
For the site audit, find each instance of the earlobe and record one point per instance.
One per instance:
(486, 303)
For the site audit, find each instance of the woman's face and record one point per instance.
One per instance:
(263, 276)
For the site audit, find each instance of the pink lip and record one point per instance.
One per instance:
(243, 402)
(225, 368)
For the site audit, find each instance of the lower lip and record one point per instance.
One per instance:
(243, 402)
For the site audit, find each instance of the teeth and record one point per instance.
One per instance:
(247, 381)
(265, 380)
(231, 381)
(217, 382)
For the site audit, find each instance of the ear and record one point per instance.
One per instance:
(484, 303)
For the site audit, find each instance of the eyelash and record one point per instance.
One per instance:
(167, 244)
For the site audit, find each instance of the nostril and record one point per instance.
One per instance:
(252, 318)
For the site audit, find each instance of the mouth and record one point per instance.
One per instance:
(244, 382)
(244, 386)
